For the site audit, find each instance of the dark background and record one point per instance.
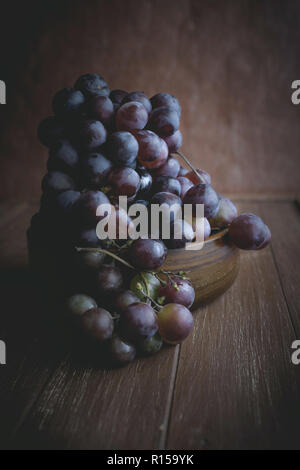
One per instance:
(230, 63)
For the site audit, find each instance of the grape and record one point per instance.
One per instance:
(153, 151)
(151, 345)
(181, 293)
(78, 304)
(185, 185)
(145, 183)
(170, 168)
(138, 321)
(91, 134)
(92, 84)
(98, 324)
(183, 171)
(147, 254)
(87, 205)
(121, 351)
(194, 178)
(66, 203)
(122, 299)
(202, 230)
(67, 102)
(120, 222)
(124, 181)
(87, 237)
(101, 108)
(95, 169)
(145, 282)
(175, 322)
(225, 215)
(174, 141)
(131, 116)
(122, 148)
(63, 157)
(165, 99)
(117, 96)
(203, 194)
(108, 278)
(164, 121)
(169, 199)
(90, 259)
(249, 232)
(166, 184)
(51, 130)
(181, 233)
(139, 96)
(55, 182)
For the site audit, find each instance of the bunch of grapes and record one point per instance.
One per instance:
(104, 144)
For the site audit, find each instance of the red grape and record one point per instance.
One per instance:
(164, 121)
(165, 99)
(175, 322)
(249, 232)
(117, 96)
(191, 175)
(121, 351)
(122, 299)
(181, 232)
(181, 293)
(91, 134)
(139, 96)
(124, 181)
(166, 184)
(101, 108)
(203, 194)
(185, 184)
(174, 141)
(226, 213)
(170, 168)
(122, 148)
(131, 116)
(95, 169)
(78, 304)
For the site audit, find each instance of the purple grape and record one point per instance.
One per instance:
(122, 299)
(55, 182)
(150, 148)
(204, 177)
(226, 213)
(121, 351)
(95, 170)
(164, 121)
(101, 108)
(68, 102)
(131, 116)
(87, 205)
(78, 304)
(50, 130)
(147, 254)
(87, 237)
(63, 157)
(122, 148)
(183, 171)
(203, 194)
(145, 183)
(174, 141)
(137, 322)
(92, 84)
(178, 291)
(185, 185)
(98, 324)
(138, 96)
(91, 134)
(248, 232)
(166, 184)
(108, 278)
(117, 96)
(124, 181)
(181, 233)
(165, 99)
(170, 168)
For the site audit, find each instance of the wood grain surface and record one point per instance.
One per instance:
(231, 63)
(230, 385)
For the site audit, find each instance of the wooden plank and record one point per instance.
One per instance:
(284, 222)
(236, 387)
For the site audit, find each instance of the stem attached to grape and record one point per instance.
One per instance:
(109, 253)
(191, 166)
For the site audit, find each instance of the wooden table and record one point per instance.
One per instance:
(231, 385)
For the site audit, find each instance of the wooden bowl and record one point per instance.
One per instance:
(211, 269)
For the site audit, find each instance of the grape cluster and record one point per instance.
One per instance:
(104, 144)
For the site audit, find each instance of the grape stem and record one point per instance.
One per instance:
(101, 250)
(191, 166)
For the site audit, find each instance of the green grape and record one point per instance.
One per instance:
(147, 283)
